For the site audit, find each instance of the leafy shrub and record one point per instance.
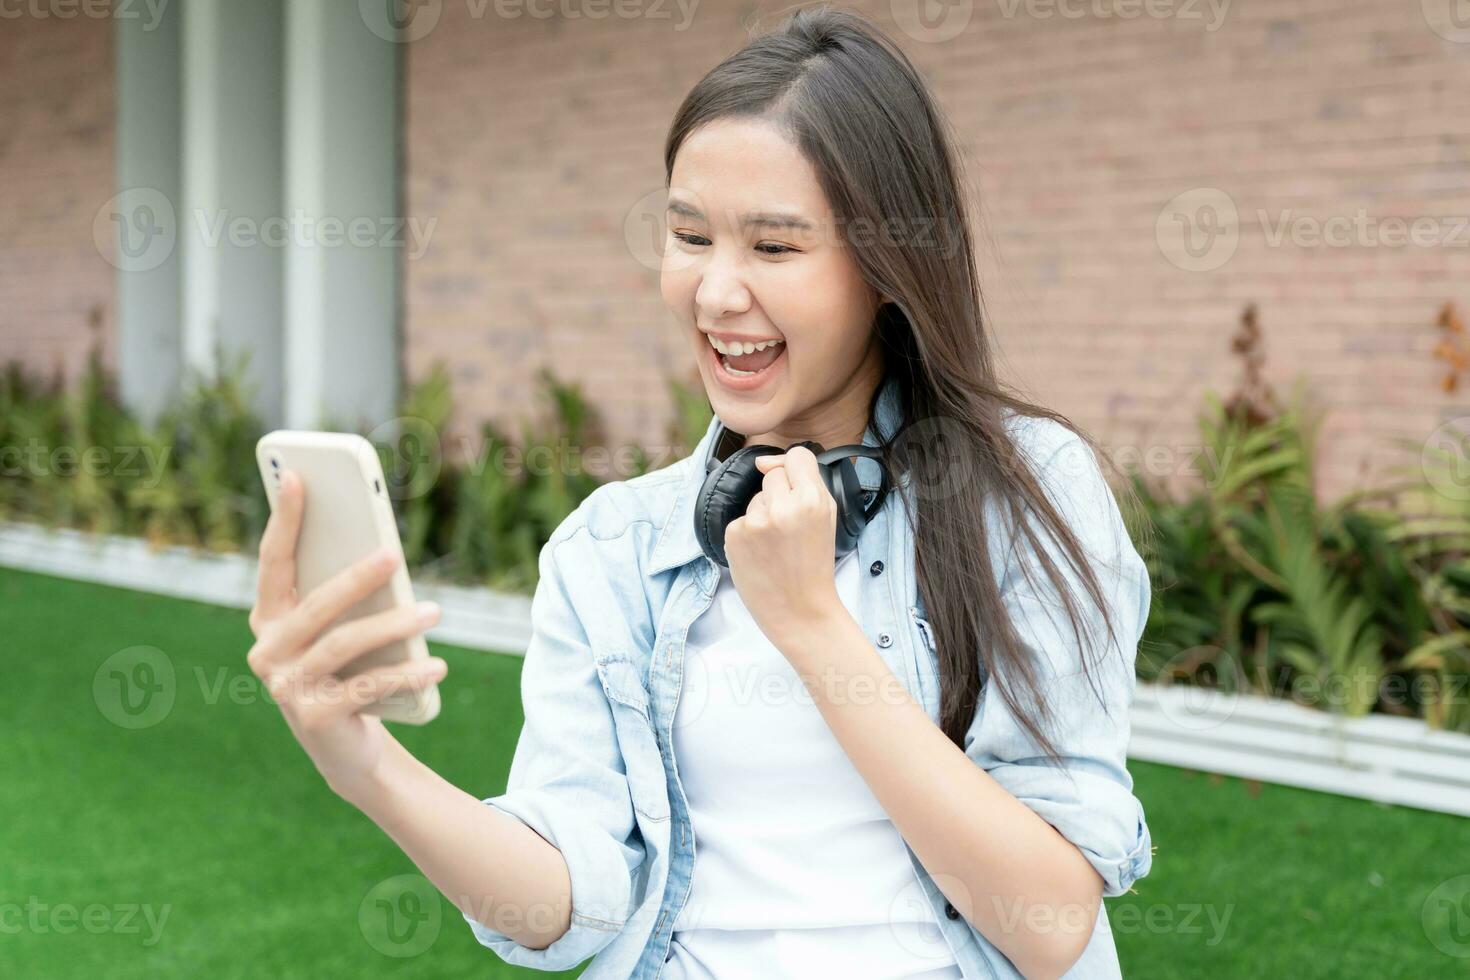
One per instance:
(1260, 586)
(81, 459)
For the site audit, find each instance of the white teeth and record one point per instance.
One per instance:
(738, 348)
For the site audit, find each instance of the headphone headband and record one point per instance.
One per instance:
(731, 483)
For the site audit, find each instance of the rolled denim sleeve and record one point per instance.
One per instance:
(1089, 799)
(567, 779)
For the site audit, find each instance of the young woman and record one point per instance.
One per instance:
(907, 762)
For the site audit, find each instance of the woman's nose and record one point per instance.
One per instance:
(722, 291)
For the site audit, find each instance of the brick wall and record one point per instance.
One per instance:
(529, 139)
(1082, 132)
(56, 172)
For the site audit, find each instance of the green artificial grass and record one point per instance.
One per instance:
(1264, 881)
(214, 812)
(213, 816)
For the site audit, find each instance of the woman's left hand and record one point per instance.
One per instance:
(781, 550)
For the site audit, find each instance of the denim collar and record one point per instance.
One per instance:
(677, 544)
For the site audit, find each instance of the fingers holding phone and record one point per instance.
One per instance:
(307, 646)
(275, 585)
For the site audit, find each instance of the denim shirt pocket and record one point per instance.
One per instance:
(926, 634)
(928, 661)
(642, 762)
(929, 652)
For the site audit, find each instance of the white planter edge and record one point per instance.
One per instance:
(478, 618)
(1381, 758)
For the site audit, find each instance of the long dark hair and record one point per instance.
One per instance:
(860, 112)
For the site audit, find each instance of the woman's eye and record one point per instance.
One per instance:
(765, 248)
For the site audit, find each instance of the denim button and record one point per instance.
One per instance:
(884, 640)
(876, 567)
(951, 911)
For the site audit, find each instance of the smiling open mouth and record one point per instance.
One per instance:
(743, 371)
(747, 359)
(749, 365)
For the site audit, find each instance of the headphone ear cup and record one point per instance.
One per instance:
(847, 492)
(724, 496)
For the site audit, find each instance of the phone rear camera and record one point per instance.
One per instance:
(276, 463)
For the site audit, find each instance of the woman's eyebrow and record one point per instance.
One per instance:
(766, 219)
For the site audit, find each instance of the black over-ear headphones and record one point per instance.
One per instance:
(729, 487)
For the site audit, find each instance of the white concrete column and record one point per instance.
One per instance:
(343, 264)
(230, 228)
(144, 217)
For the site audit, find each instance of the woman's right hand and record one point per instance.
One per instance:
(295, 654)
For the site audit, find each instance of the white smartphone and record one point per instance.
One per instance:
(347, 516)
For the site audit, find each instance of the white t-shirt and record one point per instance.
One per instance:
(798, 871)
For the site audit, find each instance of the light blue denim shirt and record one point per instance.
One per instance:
(622, 579)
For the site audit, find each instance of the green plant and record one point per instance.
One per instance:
(190, 477)
(412, 454)
(32, 426)
(208, 493)
(489, 531)
(1319, 627)
(1259, 584)
(1435, 545)
(692, 413)
(1195, 619)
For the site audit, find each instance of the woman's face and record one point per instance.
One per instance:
(754, 254)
